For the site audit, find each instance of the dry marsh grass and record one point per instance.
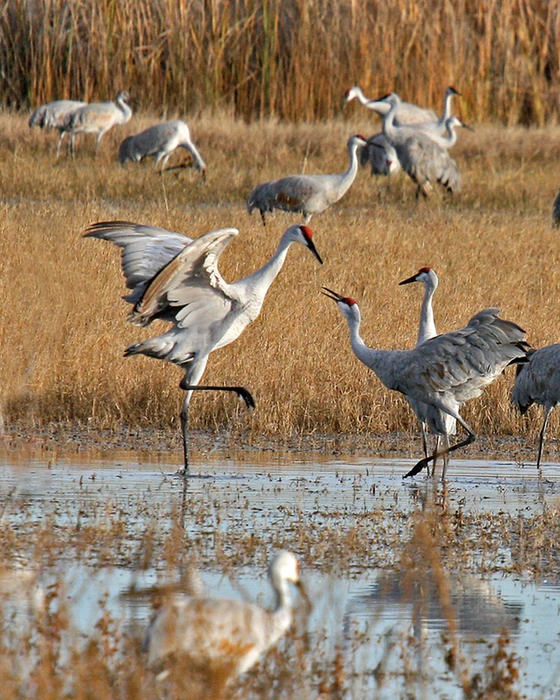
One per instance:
(293, 59)
(63, 326)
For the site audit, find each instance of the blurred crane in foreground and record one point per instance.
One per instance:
(55, 115)
(176, 279)
(160, 141)
(306, 194)
(539, 382)
(97, 118)
(444, 371)
(215, 640)
(427, 415)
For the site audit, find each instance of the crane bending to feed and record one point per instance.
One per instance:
(306, 194)
(428, 415)
(539, 382)
(218, 639)
(444, 371)
(161, 140)
(176, 279)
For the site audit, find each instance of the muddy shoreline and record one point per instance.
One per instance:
(68, 438)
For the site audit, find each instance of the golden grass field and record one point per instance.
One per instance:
(63, 325)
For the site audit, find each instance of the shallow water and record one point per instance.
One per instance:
(365, 611)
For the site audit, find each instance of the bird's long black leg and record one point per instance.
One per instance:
(542, 436)
(239, 390)
(471, 437)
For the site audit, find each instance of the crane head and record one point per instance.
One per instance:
(347, 305)
(425, 275)
(304, 235)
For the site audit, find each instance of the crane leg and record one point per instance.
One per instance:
(239, 390)
(59, 144)
(471, 437)
(543, 435)
(263, 217)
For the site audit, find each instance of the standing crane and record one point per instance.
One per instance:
(306, 194)
(539, 382)
(428, 415)
(423, 160)
(176, 279)
(55, 115)
(97, 118)
(216, 639)
(408, 113)
(444, 371)
(161, 140)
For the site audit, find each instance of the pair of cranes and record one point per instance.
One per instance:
(73, 117)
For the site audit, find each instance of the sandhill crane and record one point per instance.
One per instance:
(97, 118)
(176, 279)
(55, 115)
(427, 330)
(408, 112)
(380, 155)
(423, 160)
(161, 140)
(306, 194)
(215, 639)
(444, 371)
(539, 382)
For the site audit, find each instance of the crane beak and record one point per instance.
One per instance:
(303, 593)
(414, 278)
(332, 295)
(466, 126)
(312, 248)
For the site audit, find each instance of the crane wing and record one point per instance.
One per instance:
(145, 250)
(467, 360)
(190, 281)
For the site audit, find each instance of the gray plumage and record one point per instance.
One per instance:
(380, 156)
(423, 160)
(538, 382)
(408, 113)
(306, 194)
(429, 416)
(160, 141)
(445, 371)
(176, 279)
(97, 118)
(216, 639)
(55, 115)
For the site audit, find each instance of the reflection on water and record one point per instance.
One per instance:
(367, 612)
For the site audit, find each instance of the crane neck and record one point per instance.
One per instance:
(125, 108)
(348, 176)
(260, 280)
(427, 328)
(446, 108)
(200, 164)
(388, 126)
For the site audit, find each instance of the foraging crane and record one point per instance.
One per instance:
(97, 118)
(408, 112)
(176, 279)
(444, 371)
(423, 160)
(161, 140)
(306, 194)
(539, 382)
(380, 155)
(55, 115)
(428, 415)
(218, 639)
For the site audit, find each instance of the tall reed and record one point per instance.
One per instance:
(292, 59)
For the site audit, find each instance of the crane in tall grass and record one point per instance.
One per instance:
(97, 118)
(55, 115)
(176, 279)
(306, 194)
(160, 141)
